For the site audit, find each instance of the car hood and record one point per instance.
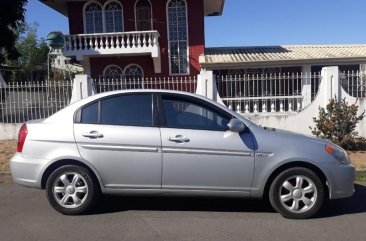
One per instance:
(294, 135)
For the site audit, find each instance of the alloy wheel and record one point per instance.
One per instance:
(70, 190)
(298, 194)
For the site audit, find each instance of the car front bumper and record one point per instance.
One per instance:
(27, 171)
(340, 180)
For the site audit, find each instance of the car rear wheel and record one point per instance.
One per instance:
(297, 193)
(72, 190)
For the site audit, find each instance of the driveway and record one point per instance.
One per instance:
(26, 215)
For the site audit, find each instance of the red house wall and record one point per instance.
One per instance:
(195, 35)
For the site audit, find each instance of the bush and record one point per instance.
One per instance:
(337, 123)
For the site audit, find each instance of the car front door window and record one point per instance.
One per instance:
(188, 115)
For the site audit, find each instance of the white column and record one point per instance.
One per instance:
(332, 84)
(82, 88)
(206, 86)
(306, 85)
(85, 62)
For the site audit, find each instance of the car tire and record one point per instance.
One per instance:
(72, 190)
(297, 193)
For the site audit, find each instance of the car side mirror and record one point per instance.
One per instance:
(236, 125)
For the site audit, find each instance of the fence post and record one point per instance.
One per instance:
(332, 84)
(82, 87)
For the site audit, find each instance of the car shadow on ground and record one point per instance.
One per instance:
(354, 205)
(112, 204)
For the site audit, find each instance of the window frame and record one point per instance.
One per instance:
(151, 20)
(169, 43)
(113, 65)
(102, 6)
(154, 111)
(129, 66)
(104, 16)
(192, 100)
(84, 16)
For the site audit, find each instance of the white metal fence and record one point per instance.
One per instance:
(104, 84)
(354, 83)
(20, 102)
(259, 93)
(262, 93)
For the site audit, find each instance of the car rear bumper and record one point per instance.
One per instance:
(27, 171)
(341, 180)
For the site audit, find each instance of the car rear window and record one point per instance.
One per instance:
(128, 110)
(89, 114)
(131, 110)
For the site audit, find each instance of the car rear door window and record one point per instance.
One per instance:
(188, 115)
(129, 110)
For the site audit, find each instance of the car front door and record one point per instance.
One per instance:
(118, 136)
(199, 153)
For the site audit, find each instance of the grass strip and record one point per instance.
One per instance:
(361, 176)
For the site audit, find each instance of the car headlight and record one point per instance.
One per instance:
(338, 153)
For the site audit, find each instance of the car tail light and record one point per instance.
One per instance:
(22, 134)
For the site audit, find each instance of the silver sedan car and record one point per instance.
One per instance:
(173, 143)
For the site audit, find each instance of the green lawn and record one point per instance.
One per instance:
(361, 176)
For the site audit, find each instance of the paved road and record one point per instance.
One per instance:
(26, 215)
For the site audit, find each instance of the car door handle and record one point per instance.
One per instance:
(93, 135)
(178, 139)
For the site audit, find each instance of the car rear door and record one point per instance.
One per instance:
(118, 136)
(199, 153)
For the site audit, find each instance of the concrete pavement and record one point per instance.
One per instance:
(26, 215)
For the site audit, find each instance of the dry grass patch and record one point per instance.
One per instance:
(358, 158)
(7, 150)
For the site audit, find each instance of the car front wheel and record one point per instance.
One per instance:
(297, 193)
(72, 190)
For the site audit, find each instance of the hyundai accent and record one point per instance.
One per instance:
(154, 142)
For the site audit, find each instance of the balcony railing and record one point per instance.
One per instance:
(129, 43)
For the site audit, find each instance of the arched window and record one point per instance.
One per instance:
(113, 17)
(133, 72)
(143, 15)
(112, 72)
(93, 18)
(178, 36)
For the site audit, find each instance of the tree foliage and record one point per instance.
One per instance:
(33, 53)
(337, 123)
(11, 18)
(32, 63)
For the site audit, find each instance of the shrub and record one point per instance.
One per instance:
(337, 123)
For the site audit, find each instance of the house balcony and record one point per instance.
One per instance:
(83, 46)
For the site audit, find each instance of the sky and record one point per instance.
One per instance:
(258, 22)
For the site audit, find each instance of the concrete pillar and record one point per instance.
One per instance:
(306, 85)
(332, 84)
(362, 67)
(206, 85)
(85, 62)
(83, 87)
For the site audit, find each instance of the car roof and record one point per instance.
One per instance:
(116, 92)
